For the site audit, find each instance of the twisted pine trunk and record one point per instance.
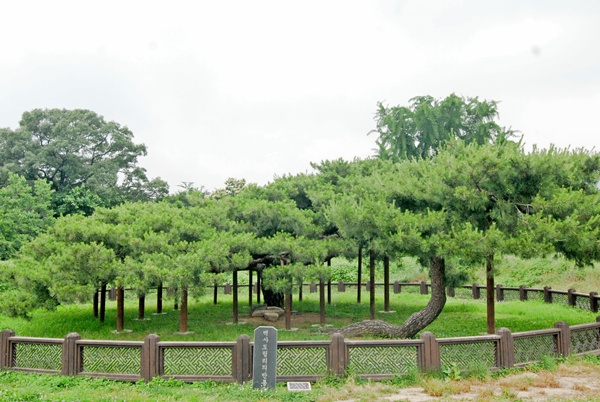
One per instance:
(415, 322)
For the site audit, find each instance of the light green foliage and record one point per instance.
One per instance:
(24, 213)
(421, 129)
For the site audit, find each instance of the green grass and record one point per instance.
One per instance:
(210, 322)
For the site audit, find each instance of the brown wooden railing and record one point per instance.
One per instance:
(311, 360)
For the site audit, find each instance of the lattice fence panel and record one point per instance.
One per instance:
(42, 356)
(463, 293)
(511, 295)
(532, 349)
(301, 361)
(583, 302)
(585, 340)
(382, 359)
(468, 355)
(198, 361)
(110, 359)
(560, 299)
(535, 295)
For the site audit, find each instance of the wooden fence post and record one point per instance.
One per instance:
(430, 353)
(547, 294)
(423, 288)
(571, 297)
(341, 286)
(4, 348)
(338, 359)
(397, 287)
(112, 294)
(563, 346)
(506, 349)
(70, 355)
(499, 293)
(149, 367)
(594, 302)
(522, 293)
(227, 289)
(450, 291)
(312, 287)
(242, 359)
(476, 291)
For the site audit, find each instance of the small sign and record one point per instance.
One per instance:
(264, 362)
(298, 386)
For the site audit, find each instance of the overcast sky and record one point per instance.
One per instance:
(257, 89)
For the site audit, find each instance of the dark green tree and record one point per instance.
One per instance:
(75, 148)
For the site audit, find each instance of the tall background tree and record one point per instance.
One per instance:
(420, 129)
(88, 161)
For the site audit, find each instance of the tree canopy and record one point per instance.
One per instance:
(88, 161)
(422, 128)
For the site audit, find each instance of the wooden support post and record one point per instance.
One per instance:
(563, 340)
(102, 302)
(341, 287)
(215, 294)
(505, 357)
(476, 291)
(450, 291)
(372, 281)
(571, 297)
(423, 288)
(359, 277)
(183, 313)
(321, 302)
(397, 287)
(313, 287)
(235, 297)
(96, 303)
(386, 283)
(258, 288)
(5, 352)
(429, 359)
(120, 309)
(70, 355)
(141, 307)
(149, 367)
(242, 360)
(159, 298)
(499, 293)
(338, 359)
(594, 302)
(250, 297)
(547, 294)
(522, 293)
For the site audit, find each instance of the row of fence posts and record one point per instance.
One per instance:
(424, 289)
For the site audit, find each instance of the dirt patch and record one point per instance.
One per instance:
(577, 382)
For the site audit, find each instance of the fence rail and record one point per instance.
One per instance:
(311, 360)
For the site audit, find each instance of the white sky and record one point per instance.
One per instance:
(255, 89)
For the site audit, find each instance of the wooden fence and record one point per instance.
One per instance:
(311, 360)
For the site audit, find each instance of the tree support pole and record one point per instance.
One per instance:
(386, 283)
(372, 281)
(490, 293)
(183, 313)
(120, 309)
(359, 279)
(235, 297)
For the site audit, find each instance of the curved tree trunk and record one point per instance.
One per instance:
(415, 322)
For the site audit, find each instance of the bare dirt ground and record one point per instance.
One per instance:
(579, 382)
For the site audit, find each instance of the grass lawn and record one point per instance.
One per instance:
(210, 322)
